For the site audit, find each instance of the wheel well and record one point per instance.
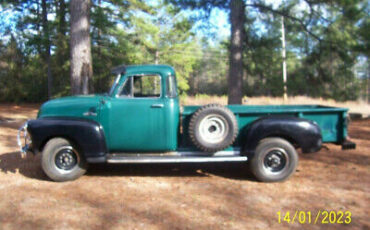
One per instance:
(250, 152)
(285, 137)
(73, 142)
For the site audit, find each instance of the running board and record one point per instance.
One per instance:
(174, 159)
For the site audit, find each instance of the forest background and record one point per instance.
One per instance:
(327, 45)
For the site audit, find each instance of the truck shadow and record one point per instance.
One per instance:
(30, 167)
(237, 171)
(360, 129)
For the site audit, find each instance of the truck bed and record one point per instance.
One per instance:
(332, 120)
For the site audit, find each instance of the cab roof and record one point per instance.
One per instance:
(164, 70)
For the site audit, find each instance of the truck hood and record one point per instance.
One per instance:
(73, 106)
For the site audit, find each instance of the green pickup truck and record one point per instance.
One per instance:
(140, 121)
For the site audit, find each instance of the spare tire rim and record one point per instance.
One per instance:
(275, 160)
(213, 128)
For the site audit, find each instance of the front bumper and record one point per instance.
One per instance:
(24, 140)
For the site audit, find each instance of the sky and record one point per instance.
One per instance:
(6, 19)
(219, 21)
(218, 24)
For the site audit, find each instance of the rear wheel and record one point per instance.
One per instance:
(61, 161)
(275, 159)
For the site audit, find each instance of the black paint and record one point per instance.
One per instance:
(301, 132)
(87, 135)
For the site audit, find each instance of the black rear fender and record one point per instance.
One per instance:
(86, 134)
(300, 132)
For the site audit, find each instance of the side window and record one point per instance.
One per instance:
(147, 86)
(125, 90)
(171, 87)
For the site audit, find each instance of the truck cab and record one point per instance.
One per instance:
(141, 112)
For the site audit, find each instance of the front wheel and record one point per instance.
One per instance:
(61, 161)
(275, 159)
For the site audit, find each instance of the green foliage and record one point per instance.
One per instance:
(209, 75)
(16, 69)
(148, 35)
(319, 65)
(166, 39)
(324, 43)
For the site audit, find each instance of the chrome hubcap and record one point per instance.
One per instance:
(275, 160)
(65, 158)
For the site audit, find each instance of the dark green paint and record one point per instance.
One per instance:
(331, 120)
(132, 124)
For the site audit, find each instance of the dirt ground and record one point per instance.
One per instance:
(201, 196)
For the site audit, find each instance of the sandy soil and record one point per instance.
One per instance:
(197, 196)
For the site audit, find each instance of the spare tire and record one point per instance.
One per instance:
(212, 128)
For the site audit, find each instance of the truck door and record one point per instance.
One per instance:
(137, 115)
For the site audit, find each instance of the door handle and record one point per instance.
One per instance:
(156, 106)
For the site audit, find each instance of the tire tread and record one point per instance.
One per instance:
(53, 173)
(193, 123)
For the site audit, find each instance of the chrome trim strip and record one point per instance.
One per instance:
(174, 159)
(215, 154)
(157, 106)
(223, 153)
(89, 113)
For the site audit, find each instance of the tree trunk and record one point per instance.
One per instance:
(156, 60)
(81, 61)
(368, 81)
(47, 58)
(235, 79)
(61, 52)
(62, 18)
(98, 52)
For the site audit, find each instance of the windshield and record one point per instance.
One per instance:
(115, 84)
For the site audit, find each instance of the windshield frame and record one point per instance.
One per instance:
(115, 84)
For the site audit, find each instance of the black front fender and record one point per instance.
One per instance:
(304, 133)
(86, 134)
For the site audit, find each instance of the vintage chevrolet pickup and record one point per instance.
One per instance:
(140, 121)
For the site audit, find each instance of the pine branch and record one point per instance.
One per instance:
(303, 25)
